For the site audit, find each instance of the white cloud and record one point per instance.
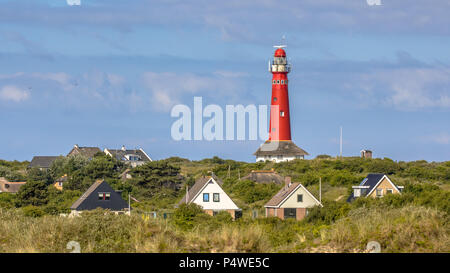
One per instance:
(404, 88)
(168, 89)
(440, 138)
(13, 93)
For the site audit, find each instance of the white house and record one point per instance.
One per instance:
(208, 194)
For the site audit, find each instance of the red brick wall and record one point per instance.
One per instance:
(301, 213)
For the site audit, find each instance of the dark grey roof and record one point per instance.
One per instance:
(371, 180)
(88, 152)
(42, 161)
(120, 154)
(285, 147)
(199, 184)
(89, 200)
(264, 177)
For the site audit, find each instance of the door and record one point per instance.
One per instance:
(290, 213)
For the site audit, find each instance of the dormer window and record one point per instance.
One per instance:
(104, 196)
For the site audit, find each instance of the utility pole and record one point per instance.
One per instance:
(229, 170)
(320, 190)
(340, 145)
(129, 203)
(239, 174)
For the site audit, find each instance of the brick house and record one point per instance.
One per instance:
(292, 201)
(375, 185)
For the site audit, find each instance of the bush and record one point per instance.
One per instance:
(329, 213)
(32, 211)
(184, 215)
(250, 191)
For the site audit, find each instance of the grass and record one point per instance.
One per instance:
(408, 229)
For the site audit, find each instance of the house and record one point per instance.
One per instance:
(375, 185)
(366, 153)
(208, 193)
(10, 187)
(100, 195)
(59, 183)
(87, 152)
(42, 162)
(292, 201)
(279, 151)
(264, 177)
(135, 157)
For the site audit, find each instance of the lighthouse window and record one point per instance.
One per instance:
(281, 113)
(274, 81)
(275, 99)
(273, 129)
(282, 81)
(278, 81)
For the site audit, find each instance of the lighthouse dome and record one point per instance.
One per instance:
(280, 53)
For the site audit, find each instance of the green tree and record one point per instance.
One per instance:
(33, 193)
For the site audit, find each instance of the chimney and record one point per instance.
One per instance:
(287, 181)
(123, 148)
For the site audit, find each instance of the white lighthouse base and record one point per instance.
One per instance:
(278, 159)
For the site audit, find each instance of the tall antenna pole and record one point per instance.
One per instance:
(340, 145)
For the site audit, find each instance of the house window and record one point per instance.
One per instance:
(216, 197)
(206, 197)
(281, 113)
(379, 192)
(105, 196)
(299, 197)
(388, 191)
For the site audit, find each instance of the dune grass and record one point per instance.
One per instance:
(407, 229)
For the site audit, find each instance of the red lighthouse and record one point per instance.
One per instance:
(279, 147)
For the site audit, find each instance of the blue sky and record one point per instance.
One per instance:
(107, 73)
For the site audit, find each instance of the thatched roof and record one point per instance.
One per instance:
(11, 187)
(285, 148)
(265, 177)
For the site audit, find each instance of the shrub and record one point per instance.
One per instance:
(32, 211)
(184, 215)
